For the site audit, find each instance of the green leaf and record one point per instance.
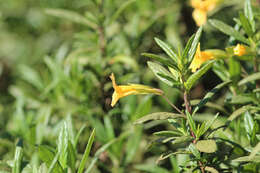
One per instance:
(158, 116)
(18, 157)
(250, 78)
(249, 14)
(168, 133)
(210, 105)
(234, 69)
(226, 29)
(211, 169)
(206, 146)
(241, 110)
(167, 155)
(194, 45)
(181, 139)
(47, 155)
(246, 24)
(63, 145)
(86, 152)
(205, 126)
(164, 61)
(109, 128)
(249, 123)
(120, 10)
(30, 75)
(220, 70)
(197, 75)
(103, 148)
(71, 156)
(209, 95)
(255, 151)
(143, 108)
(243, 99)
(150, 168)
(72, 16)
(158, 69)
(54, 162)
(132, 145)
(255, 159)
(168, 50)
(194, 151)
(185, 54)
(191, 122)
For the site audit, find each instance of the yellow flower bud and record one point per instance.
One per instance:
(131, 89)
(239, 50)
(199, 58)
(201, 8)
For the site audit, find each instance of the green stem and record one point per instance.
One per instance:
(188, 108)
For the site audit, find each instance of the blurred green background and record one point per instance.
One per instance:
(55, 59)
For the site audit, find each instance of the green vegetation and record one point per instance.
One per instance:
(56, 61)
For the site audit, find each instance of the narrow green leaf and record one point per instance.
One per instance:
(220, 70)
(168, 133)
(150, 168)
(255, 151)
(210, 105)
(234, 69)
(194, 45)
(86, 152)
(18, 156)
(194, 150)
(164, 61)
(197, 75)
(209, 95)
(211, 169)
(158, 69)
(109, 128)
(243, 99)
(63, 145)
(143, 108)
(47, 155)
(31, 76)
(206, 146)
(205, 126)
(241, 110)
(185, 54)
(78, 134)
(71, 161)
(132, 145)
(246, 24)
(191, 122)
(120, 10)
(167, 155)
(226, 29)
(255, 159)
(249, 123)
(72, 16)
(103, 148)
(181, 139)
(158, 116)
(249, 13)
(250, 78)
(53, 163)
(168, 50)
(238, 112)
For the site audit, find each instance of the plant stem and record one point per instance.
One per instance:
(188, 108)
(256, 70)
(168, 101)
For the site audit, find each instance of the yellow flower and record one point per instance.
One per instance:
(131, 89)
(199, 58)
(239, 50)
(200, 16)
(201, 8)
